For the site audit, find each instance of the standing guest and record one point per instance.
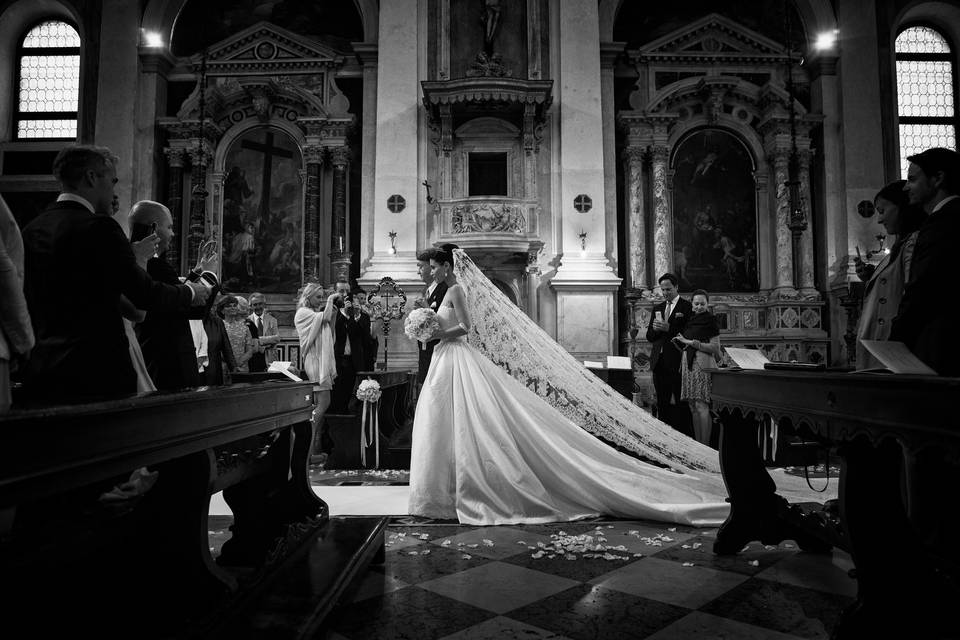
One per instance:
(16, 334)
(924, 323)
(220, 360)
(372, 342)
(268, 333)
(432, 298)
(143, 250)
(351, 341)
(314, 321)
(238, 332)
(166, 337)
(885, 281)
(243, 307)
(78, 258)
(700, 341)
(667, 320)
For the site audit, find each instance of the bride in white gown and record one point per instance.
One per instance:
(501, 435)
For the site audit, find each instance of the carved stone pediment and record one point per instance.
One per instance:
(487, 95)
(715, 38)
(266, 48)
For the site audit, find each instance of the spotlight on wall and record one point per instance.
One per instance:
(583, 242)
(826, 40)
(152, 39)
(393, 243)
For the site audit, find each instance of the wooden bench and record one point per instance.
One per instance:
(144, 568)
(345, 429)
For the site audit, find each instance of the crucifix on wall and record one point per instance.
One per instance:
(269, 150)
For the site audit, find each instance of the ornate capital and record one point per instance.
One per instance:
(339, 156)
(660, 154)
(633, 156)
(200, 155)
(313, 154)
(175, 156)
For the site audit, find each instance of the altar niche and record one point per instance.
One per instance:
(263, 210)
(715, 213)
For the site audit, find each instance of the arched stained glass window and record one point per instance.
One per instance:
(926, 92)
(48, 81)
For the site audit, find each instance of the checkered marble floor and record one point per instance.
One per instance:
(645, 581)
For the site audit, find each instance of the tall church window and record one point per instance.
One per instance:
(48, 79)
(926, 92)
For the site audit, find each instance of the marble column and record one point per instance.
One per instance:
(200, 156)
(662, 217)
(807, 284)
(339, 247)
(175, 158)
(533, 274)
(633, 158)
(784, 254)
(313, 155)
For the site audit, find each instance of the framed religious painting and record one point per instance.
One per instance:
(263, 207)
(714, 213)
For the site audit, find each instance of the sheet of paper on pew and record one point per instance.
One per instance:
(618, 362)
(284, 368)
(592, 364)
(895, 358)
(746, 358)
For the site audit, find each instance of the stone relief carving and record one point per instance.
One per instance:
(485, 217)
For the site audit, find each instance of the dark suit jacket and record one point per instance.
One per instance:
(77, 265)
(662, 352)
(357, 330)
(425, 353)
(219, 352)
(926, 322)
(166, 339)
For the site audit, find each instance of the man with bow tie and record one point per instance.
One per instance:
(667, 319)
(431, 298)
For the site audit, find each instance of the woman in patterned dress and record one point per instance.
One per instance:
(700, 341)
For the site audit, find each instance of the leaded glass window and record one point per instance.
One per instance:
(48, 82)
(926, 92)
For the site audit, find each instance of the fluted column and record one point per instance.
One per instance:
(633, 157)
(339, 254)
(175, 159)
(662, 219)
(313, 155)
(784, 254)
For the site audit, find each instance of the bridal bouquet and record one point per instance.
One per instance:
(421, 324)
(368, 391)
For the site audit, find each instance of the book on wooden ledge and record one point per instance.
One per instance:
(895, 358)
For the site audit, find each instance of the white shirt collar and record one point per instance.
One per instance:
(943, 202)
(72, 197)
(431, 288)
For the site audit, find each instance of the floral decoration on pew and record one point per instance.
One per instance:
(369, 392)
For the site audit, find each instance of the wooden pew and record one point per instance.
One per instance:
(145, 569)
(898, 437)
(396, 387)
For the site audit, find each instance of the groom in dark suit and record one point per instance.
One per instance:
(667, 319)
(432, 298)
(78, 264)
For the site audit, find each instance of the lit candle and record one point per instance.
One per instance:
(341, 243)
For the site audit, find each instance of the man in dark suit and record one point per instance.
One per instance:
(78, 263)
(667, 320)
(165, 336)
(432, 297)
(926, 322)
(350, 344)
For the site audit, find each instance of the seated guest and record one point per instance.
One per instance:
(885, 281)
(220, 360)
(268, 333)
(314, 322)
(700, 340)
(16, 334)
(351, 342)
(165, 336)
(78, 262)
(924, 323)
(238, 332)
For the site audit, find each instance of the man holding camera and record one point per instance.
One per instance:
(351, 341)
(667, 320)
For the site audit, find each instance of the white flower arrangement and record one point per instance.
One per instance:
(368, 391)
(421, 324)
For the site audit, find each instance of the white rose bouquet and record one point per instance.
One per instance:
(421, 324)
(368, 391)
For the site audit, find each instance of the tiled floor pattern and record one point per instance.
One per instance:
(645, 581)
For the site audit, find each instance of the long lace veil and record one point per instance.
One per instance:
(505, 335)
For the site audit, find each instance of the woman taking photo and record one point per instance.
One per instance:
(314, 322)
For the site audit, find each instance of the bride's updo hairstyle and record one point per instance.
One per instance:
(445, 254)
